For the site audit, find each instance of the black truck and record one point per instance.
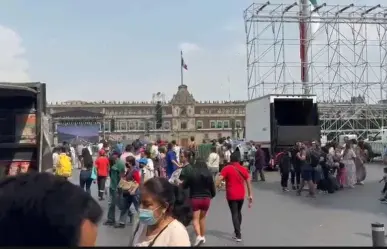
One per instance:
(24, 129)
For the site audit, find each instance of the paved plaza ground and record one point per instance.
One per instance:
(284, 219)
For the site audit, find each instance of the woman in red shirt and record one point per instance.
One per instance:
(236, 177)
(102, 166)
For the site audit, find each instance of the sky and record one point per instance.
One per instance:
(126, 49)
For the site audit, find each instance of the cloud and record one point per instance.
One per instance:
(188, 47)
(13, 65)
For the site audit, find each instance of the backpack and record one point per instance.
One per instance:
(64, 167)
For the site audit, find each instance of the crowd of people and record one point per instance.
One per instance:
(168, 186)
(326, 169)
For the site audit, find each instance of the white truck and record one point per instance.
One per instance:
(378, 142)
(278, 121)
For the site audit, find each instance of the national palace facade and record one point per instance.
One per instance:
(184, 117)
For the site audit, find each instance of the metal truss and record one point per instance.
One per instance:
(347, 57)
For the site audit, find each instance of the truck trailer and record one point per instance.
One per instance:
(24, 137)
(278, 121)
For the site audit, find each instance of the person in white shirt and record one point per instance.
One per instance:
(55, 157)
(176, 149)
(213, 161)
(163, 216)
(100, 146)
(90, 149)
(149, 166)
(73, 157)
(227, 153)
(146, 170)
(154, 150)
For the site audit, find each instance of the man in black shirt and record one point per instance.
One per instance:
(295, 173)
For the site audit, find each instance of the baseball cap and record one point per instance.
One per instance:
(143, 161)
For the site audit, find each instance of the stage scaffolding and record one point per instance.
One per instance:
(347, 65)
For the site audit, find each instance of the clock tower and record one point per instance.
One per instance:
(183, 115)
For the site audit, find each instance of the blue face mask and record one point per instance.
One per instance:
(147, 217)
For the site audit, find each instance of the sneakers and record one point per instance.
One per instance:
(285, 189)
(237, 239)
(109, 223)
(119, 225)
(199, 240)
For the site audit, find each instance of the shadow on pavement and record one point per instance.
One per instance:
(220, 234)
(362, 198)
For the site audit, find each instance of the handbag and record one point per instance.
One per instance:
(175, 176)
(129, 186)
(93, 173)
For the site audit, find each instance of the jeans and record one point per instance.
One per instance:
(113, 200)
(126, 202)
(236, 215)
(284, 179)
(85, 180)
(101, 181)
(295, 175)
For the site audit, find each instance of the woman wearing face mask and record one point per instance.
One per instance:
(163, 214)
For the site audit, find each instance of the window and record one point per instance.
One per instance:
(123, 125)
(151, 125)
(107, 126)
(219, 124)
(132, 125)
(238, 124)
(226, 124)
(212, 124)
(141, 125)
(183, 125)
(167, 125)
(199, 124)
(206, 136)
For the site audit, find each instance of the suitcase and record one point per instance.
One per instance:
(332, 184)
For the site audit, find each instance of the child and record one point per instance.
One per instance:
(384, 190)
(341, 174)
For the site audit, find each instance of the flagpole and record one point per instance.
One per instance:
(304, 45)
(181, 68)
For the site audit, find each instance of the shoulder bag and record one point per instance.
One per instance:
(128, 186)
(243, 177)
(154, 240)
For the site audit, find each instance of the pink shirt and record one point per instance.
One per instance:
(125, 155)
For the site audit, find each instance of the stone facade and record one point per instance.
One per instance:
(183, 117)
